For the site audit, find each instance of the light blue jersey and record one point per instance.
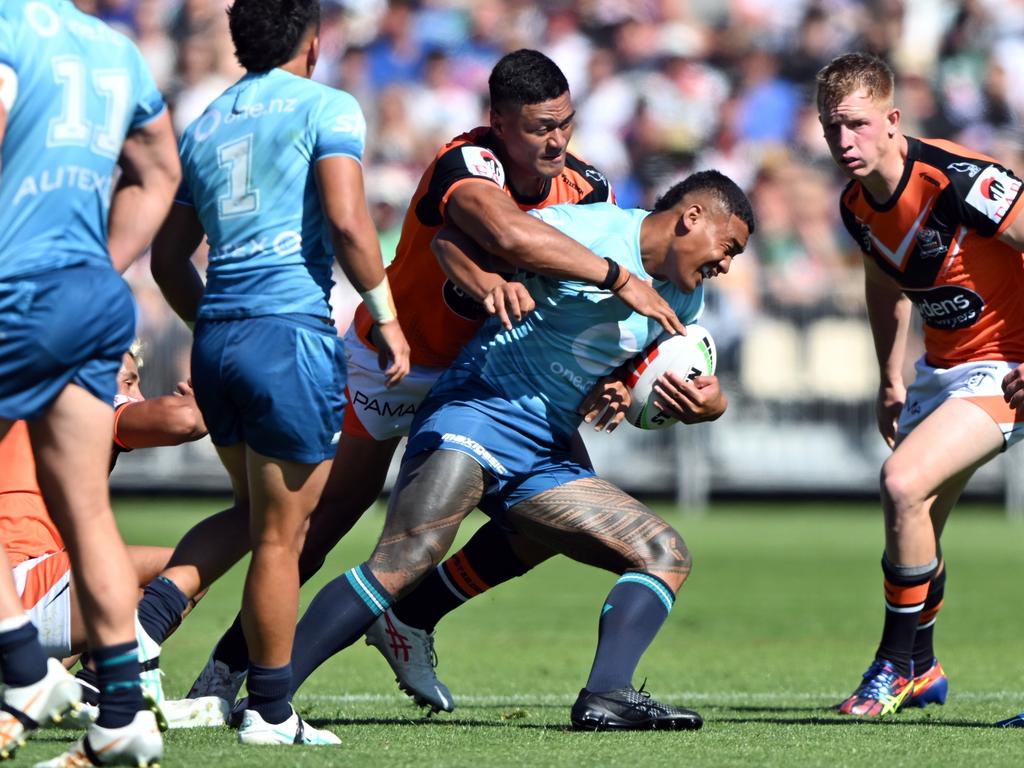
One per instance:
(249, 170)
(578, 333)
(81, 87)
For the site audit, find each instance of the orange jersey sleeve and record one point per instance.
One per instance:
(26, 529)
(438, 318)
(938, 239)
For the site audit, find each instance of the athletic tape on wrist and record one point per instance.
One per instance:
(379, 303)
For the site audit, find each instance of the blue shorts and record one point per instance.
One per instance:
(274, 382)
(69, 326)
(520, 452)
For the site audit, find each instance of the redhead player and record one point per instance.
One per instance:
(483, 182)
(939, 228)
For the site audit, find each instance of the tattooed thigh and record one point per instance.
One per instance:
(432, 496)
(592, 521)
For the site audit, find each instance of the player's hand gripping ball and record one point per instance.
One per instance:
(689, 356)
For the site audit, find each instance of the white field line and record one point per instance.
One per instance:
(724, 697)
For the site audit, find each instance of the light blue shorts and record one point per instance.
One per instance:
(71, 326)
(274, 382)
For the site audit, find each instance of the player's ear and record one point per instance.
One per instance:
(892, 120)
(496, 122)
(691, 217)
(312, 53)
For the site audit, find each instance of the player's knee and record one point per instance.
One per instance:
(665, 552)
(901, 486)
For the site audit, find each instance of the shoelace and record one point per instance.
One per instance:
(878, 681)
(428, 646)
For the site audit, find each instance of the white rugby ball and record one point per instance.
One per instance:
(689, 356)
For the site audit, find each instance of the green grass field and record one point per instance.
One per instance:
(778, 620)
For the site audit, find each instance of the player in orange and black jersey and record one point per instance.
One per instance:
(940, 228)
(483, 182)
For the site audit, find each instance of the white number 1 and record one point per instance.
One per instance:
(241, 198)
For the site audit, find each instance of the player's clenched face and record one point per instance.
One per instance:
(860, 132)
(536, 135)
(704, 246)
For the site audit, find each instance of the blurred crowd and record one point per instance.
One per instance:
(661, 87)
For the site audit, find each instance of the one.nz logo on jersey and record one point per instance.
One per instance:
(948, 307)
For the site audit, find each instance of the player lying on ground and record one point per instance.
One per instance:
(497, 431)
(76, 99)
(939, 228)
(481, 181)
(278, 191)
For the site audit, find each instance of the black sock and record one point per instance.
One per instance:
(339, 615)
(87, 675)
(232, 649)
(486, 561)
(161, 607)
(268, 691)
(906, 588)
(924, 639)
(117, 672)
(22, 661)
(632, 614)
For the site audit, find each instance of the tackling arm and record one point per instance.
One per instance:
(166, 420)
(150, 174)
(492, 219)
(474, 270)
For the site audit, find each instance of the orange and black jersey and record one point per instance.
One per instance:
(437, 318)
(937, 237)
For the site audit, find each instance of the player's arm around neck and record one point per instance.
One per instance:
(150, 174)
(357, 250)
(492, 219)
(476, 273)
(170, 261)
(889, 313)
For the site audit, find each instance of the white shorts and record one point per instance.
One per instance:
(373, 411)
(979, 382)
(44, 585)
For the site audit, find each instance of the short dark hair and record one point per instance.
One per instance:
(267, 33)
(525, 77)
(718, 186)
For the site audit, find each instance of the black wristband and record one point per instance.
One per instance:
(612, 277)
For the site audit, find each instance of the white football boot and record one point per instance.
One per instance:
(28, 707)
(201, 712)
(294, 730)
(136, 744)
(410, 653)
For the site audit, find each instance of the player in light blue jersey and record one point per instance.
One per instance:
(273, 178)
(76, 101)
(496, 429)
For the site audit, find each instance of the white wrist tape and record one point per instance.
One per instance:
(379, 303)
(8, 87)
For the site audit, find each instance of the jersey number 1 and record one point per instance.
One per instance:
(241, 198)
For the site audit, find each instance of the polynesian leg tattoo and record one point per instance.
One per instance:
(592, 521)
(433, 495)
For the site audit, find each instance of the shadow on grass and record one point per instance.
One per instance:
(848, 721)
(437, 723)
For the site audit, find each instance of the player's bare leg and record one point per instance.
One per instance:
(71, 445)
(920, 483)
(434, 493)
(592, 521)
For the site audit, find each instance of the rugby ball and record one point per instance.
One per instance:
(690, 356)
